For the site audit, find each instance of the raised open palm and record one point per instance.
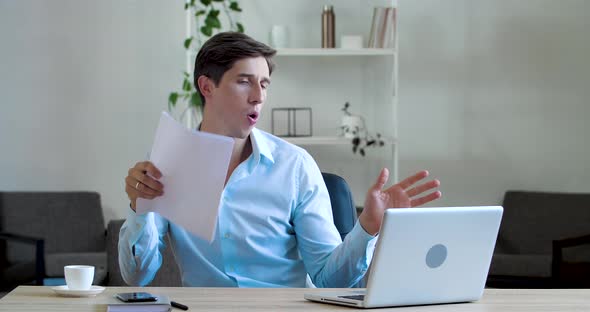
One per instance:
(400, 195)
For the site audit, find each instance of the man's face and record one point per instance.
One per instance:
(233, 107)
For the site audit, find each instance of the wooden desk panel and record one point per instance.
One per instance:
(39, 298)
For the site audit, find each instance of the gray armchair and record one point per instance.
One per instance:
(41, 232)
(544, 241)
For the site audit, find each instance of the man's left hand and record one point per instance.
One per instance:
(400, 195)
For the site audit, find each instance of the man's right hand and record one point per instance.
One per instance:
(140, 182)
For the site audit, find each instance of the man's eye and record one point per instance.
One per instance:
(243, 82)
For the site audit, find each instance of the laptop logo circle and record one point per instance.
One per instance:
(436, 256)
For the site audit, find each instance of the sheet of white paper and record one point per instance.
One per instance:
(193, 166)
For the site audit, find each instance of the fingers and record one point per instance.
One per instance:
(149, 168)
(381, 180)
(423, 188)
(425, 199)
(139, 182)
(141, 187)
(413, 179)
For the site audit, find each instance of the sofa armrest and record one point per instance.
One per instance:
(39, 244)
(559, 246)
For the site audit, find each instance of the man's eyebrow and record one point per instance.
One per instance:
(265, 79)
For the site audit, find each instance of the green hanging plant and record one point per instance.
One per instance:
(207, 23)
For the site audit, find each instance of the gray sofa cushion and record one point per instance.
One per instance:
(531, 222)
(68, 221)
(521, 265)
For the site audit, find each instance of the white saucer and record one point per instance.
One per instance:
(65, 291)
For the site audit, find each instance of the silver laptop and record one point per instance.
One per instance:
(426, 256)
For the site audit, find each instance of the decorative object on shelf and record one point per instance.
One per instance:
(382, 33)
(206, 21)
(292, 122)
(328, 27)
(351, 42)
(279, 36)
(353, 127)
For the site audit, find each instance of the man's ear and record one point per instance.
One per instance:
(206, 86)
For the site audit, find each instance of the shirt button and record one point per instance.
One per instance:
(226, 235)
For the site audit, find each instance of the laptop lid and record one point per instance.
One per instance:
(431, 255)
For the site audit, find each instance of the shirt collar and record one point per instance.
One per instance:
(261, 146)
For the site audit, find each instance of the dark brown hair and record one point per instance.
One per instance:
(221, 51)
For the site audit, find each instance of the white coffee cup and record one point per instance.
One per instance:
(79, 277)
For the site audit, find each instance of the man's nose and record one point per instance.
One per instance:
(257, 95)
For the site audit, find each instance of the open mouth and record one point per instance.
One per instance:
(253, 116)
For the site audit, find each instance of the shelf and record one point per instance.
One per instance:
(326, 52)
(334, 52)
(325, 140)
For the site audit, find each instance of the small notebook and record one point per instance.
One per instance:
(161, 305)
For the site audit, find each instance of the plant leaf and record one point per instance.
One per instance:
(212, 22)
(206, 2)
(186, 85)
(362, 152)
(207, 31)
(218, 0)
(356, 141)
(200, 12)
(172, 98)
(214, 13)
(195, 100)
(187, 42)
(354, 148)
(240, 27)
(235, 6)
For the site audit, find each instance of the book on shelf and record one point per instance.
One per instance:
(383, 28)
(160, 305)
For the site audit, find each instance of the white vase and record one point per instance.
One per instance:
(279, 36)
(352, 126)
(191, 117)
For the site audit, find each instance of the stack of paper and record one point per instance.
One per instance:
(194, 166)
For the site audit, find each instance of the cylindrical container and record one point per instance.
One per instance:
(328, 27)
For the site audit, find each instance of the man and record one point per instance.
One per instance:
(275, 222)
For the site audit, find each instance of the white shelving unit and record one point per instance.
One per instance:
(334, 52)
(324, 79)
(328, 140)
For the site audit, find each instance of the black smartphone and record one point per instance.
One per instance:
(136, 297)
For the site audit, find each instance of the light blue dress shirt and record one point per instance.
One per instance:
(274, 226)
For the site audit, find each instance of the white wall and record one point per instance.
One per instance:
(494, 94)
(82, 84)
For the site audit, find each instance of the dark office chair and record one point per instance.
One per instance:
(343, 209)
